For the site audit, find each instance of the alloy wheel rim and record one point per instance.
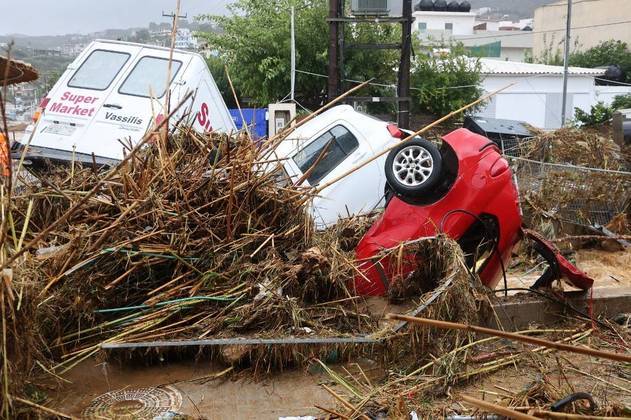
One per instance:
(412, 166)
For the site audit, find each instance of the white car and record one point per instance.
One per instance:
(331, 144)
(110, 95)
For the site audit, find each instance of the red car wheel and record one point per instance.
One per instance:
(413, 168)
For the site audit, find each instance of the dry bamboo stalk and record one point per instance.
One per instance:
(345, 403)
(271, 144)
(236, 101)
(328, 410)
(512, 336)
(497, 409)
(44, 409)
(320, 188)
(41, 235)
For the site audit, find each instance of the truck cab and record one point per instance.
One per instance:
(112, 93)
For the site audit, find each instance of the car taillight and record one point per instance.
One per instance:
(395, 131)
(159, 119)
(40, 109)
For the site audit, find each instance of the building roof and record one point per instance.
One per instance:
(18, 71)
(500, 67)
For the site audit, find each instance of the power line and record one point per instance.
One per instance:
(381, 84)
(613, 81)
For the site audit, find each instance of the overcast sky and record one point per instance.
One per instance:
(58, 17)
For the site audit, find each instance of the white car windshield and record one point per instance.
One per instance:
(325, 153)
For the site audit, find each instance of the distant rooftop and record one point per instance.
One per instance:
(490, 66)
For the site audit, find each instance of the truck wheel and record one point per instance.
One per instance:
(414, 168)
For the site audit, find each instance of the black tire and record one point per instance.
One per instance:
(422, 178)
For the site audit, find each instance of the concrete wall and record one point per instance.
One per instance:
(550, 24)
(537, 99)
(607, 94)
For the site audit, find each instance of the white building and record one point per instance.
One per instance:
(442, 25)
(184, 40)
(500, 45)
(535, 91)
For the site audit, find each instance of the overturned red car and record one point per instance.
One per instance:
(464, 190)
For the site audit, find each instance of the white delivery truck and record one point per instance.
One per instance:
(112, 93)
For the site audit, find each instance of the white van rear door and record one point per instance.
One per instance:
(78, 96)
(136, 98)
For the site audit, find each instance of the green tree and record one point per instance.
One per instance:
(621, 102)
(217, 69)
(605, 54)
(599, 114)
(254, 42)
(444, 82)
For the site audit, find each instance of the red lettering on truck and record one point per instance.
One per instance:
(203, 117)
(74, 104)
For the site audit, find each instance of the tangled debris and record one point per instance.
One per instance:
(198, 237)
(571, 180)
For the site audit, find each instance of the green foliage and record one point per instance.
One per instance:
(599, 114)
(444, 83)
(604, 54)
(217, 69)
(255, 44)
(621, 102)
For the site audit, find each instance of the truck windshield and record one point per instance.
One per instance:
(98, 70)
(148, 78)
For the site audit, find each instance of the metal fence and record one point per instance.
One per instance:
(574, 194)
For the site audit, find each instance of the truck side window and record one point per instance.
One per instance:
(148, 77)
(325, 153)
(98, 70)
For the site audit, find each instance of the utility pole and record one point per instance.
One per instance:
(335, 13)
(566, 59)
(403, 88)
(174, 16)
(293, 54)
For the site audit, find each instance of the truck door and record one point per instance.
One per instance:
(77, 98)
(136, 98)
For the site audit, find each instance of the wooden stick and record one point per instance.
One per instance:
(236, 101)
(512, 336)
(345, 403)
(328, 410)
(42, 408)
(411, 136)
(327, 106)
(497, 409)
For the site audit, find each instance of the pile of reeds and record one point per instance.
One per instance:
(194, 238)
(573, 179)
(574, 146)
(202, 237)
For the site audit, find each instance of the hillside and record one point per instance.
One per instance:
(522, 8)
